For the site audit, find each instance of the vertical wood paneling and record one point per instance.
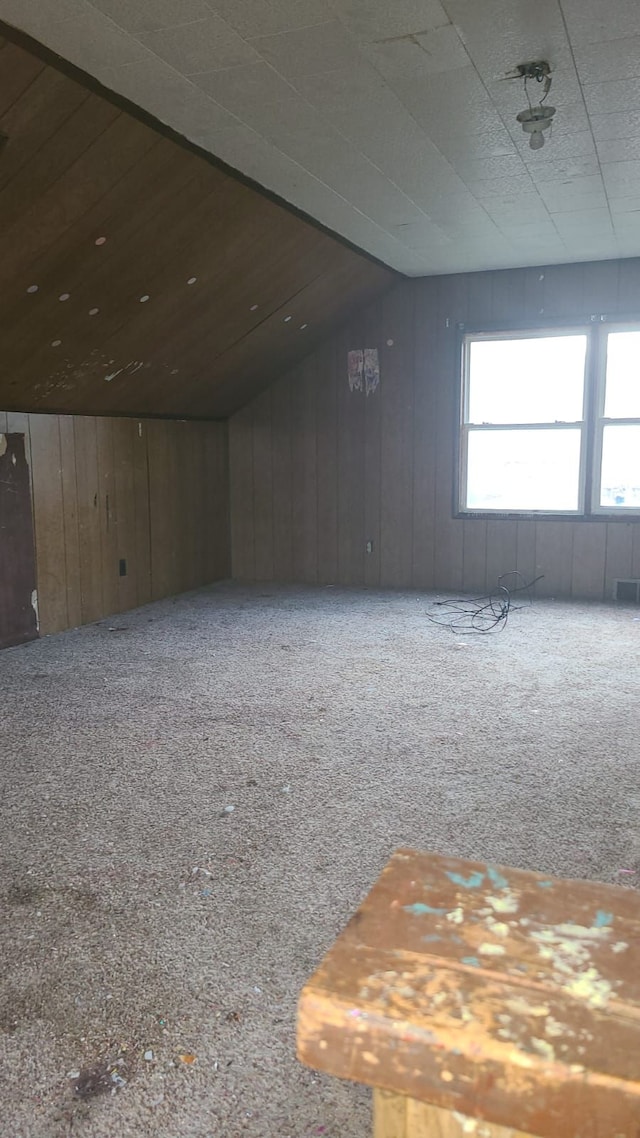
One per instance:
(107, 515)
(70, 521)
(141, 513)
(351, 453)
(241, 492)
(48, 522)
(216, 473)
(304, 474)
(601, 288)
(124, 434)
(635, 562)
(619, 555)
(502, 550)
(75, 463)
(449, 555)
(282, 475)
(262, 444)
(385, 466)
(371, 325)
(88, 497)
(526, 551)
(474, 556)
(163, 510)
(554, 557)
(327, 463)
(396, 451)
(424, 435)
(589, 555)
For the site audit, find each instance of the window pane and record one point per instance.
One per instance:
(620, 476)
(622, 399)
(537, 380)
(523, 470)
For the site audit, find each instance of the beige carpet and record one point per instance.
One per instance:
(138, 917)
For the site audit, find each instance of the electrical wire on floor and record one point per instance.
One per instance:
(488, 613)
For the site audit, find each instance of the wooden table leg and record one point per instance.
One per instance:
(395, 1116)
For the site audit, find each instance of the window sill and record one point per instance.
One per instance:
(542, 516)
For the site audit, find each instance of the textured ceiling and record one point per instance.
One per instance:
(389, 120)
(136, 277)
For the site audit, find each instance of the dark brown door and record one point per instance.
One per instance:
(17, 558)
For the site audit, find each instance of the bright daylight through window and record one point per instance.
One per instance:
(551, 422)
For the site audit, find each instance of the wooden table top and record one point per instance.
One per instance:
(500, 993)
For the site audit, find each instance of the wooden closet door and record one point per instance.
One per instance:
(17, 556)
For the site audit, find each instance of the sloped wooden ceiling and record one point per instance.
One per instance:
(136, 277)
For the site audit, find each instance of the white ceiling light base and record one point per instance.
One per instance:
(534, 121)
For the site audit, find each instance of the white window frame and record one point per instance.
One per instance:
(466, 428)
(600, 422)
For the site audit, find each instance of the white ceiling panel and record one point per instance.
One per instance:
(392, 123)
(306, 51)
(612, 97)
(592, 21)
(270, 17)
(370, 21)
(150, 15)
(619, 149)
(204, 45)
(607, 62)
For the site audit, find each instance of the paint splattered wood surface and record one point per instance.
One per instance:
(499, 993)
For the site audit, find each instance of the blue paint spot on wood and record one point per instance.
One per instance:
(431, 937)
(603, 919)
(472, 961)
(418, 909)
(472, 882)
(496, 878)
(545, 884)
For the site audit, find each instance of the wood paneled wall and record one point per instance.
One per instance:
(138, 277)
(317, 470)
(151, 492)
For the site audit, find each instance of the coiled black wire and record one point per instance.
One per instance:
(488, 613)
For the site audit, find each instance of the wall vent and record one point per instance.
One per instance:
(627, 590)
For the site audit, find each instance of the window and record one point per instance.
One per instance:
(550, 422)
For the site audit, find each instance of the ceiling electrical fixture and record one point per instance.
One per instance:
(538, 117)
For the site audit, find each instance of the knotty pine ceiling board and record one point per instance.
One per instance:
(137, 276)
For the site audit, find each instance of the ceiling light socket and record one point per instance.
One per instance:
(539, 117)
(534, 121)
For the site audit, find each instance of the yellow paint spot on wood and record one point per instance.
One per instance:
(522, 1007)
(544, 1048)
(506, 904)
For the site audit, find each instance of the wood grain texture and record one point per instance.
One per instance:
(395, 1116)
(76, 169)
(17, 562)
(498, 993)
(384, 464)
(151, 493)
